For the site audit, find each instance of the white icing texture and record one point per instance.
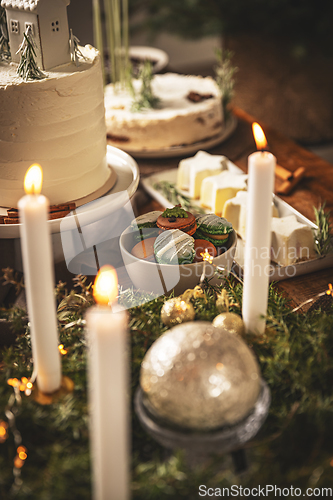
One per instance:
(57, 122)
(174, 247)
(178, 120)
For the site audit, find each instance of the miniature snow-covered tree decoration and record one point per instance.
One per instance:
(76, 54)
(49, 26)
(4, 39)
(28, 69)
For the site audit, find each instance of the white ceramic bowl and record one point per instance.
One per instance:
(161, 279)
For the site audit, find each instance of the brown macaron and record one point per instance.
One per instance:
(144, 249)
(201, 246)
(187, 223)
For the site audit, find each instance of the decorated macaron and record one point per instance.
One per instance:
(145, 225)
(213, 228)
(174, 247)
(177, 218)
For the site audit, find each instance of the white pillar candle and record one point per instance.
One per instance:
(108, 390)
(261, 170)
(39, 282)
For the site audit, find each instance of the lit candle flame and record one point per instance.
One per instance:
(259, 136)
(33, 179)
(105, 289)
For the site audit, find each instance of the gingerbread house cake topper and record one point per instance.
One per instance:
(48, 22)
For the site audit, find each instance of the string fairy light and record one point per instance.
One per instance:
(62, 349)
(3, 431)
(11, 411)
(329, 291)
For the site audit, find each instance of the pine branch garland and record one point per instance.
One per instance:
(295, 356)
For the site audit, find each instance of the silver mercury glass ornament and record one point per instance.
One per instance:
(199, 377)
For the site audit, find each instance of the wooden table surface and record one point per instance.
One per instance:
(315, 188)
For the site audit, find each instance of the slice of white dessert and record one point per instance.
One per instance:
(218, 189)
(192, 171)
(235, 211)
(291, 241)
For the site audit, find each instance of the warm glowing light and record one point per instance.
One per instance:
(206, 257)
(219, 366)
(62, 350)
(24, 385)
(330, 289)
(105, 289)
(33, 179)
(259, 136)
(13, 382)
(3, 431)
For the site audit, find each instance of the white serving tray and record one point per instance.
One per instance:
(277, 273)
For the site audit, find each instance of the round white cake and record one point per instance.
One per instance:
(57, 122)
(177, 121)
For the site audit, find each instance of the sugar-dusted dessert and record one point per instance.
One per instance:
(235, 211)
(192, 171)
(58, 122)
(174, 247)
(190, 110)
(291, 241)
(217, 189)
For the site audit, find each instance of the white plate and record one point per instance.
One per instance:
(174, 151)
(127, 171)
(277, 273)
(150, 53)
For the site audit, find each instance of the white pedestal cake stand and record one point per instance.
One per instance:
(87, 228)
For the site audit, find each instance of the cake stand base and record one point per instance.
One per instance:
(229, 439)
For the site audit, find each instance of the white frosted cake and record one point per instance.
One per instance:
(57, 122)
(192, 171)
(177, 121)
(291, 241)
(217, 189)
(235, 211)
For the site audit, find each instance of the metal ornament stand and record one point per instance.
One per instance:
(229, 439)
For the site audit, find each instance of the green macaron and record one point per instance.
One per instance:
(213, 228)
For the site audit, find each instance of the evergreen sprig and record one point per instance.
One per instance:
(4, 39)
(295, 356)
(28, 69)
(171, 193)
(145, 98)
(225, 76)
(323, 236)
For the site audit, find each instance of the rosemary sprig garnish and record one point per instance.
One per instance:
(224, 76)
(169, 190)
(323, 236)
(145, 99)
(28, 69)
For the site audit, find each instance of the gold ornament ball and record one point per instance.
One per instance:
(200, 377)
(176, 311)
(231, 322)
